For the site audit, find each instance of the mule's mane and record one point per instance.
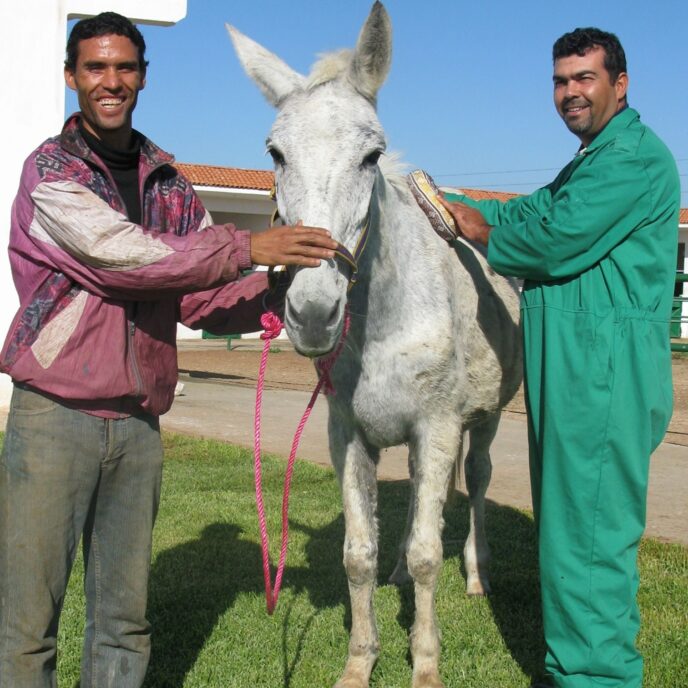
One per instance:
(329, 67)
(334, 65)
(364, 68)
(394, 169)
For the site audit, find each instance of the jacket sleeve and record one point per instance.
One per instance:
(597, 208)
(514, 210)
(234, 308)
(80, 235)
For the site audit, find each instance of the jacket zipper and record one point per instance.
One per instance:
(130, 306)
(131, 335)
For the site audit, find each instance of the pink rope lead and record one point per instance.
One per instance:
(273, 326)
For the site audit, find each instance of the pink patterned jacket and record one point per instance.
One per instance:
(100, 297)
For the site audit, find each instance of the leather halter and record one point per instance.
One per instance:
(342, 253)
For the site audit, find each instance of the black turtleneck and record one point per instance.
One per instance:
(124, 167)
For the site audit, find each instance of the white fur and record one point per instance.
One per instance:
(434, 347)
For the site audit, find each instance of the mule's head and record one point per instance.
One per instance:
(325, 143)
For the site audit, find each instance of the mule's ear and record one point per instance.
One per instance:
(275, 78)
(373, 54)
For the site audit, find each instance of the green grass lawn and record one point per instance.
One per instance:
(207, 604)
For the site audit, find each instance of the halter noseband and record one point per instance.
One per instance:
(342, 253)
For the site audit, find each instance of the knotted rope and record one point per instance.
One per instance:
(273, 327)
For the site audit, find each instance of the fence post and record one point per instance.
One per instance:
(228, 337)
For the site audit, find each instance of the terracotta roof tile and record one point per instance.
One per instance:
(227, 177)
(482, 195)
(236, 178)
(262, 180)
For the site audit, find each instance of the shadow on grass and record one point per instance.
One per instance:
(216, 567)
(219, 566)
(515, 598)
(513, 573)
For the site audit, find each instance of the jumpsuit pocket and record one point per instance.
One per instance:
(658, 383)
(603, 346)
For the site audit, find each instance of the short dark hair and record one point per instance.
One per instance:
(578, 42)
(103, 24)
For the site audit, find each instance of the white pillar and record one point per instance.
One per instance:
(33, 36)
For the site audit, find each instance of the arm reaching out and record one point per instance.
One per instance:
(298, 245)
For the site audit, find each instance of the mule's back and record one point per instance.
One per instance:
(443, 300)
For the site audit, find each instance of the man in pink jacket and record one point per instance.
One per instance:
(110, 248)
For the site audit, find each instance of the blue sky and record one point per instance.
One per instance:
(469, 96)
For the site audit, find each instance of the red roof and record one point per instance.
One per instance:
(262, 180)
(227, 177)
(481, 195)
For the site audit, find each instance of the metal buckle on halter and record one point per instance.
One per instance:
(343, 254)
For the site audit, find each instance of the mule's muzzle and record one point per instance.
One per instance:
(314, 328)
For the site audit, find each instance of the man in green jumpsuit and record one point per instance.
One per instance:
(597, 251)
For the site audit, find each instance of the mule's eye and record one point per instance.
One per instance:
(277, 157)
(371, 159)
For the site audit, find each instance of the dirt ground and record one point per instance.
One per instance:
(287, 370)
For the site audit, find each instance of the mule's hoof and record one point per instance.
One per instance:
(427, 679)
(478, 588)
(350, 682)
(357, 670)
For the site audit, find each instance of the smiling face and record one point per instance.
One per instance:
(584, 94)
(107, 79)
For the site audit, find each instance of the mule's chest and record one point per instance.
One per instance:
(388, 389)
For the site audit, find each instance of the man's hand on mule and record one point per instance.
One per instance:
(297, 245)
(469, 221)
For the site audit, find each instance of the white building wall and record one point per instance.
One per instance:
(33, 34)
(245, 208)
(683, 239)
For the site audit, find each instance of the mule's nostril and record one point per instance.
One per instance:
(312, 315)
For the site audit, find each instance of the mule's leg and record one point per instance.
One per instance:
(400, 575)
(478, 468)
(436, 451)
(355, 464)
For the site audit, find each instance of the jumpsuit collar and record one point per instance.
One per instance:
(617, 123)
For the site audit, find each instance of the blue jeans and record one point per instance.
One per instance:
(64, 475)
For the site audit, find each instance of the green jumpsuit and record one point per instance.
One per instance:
(597, 250)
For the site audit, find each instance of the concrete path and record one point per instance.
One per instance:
(224, 411)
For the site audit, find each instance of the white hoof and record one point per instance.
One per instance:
(478, 587)
(427, 679)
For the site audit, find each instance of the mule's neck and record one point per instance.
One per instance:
(393, 258)
(396, 218)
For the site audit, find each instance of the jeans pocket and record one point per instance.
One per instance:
(26, 402)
